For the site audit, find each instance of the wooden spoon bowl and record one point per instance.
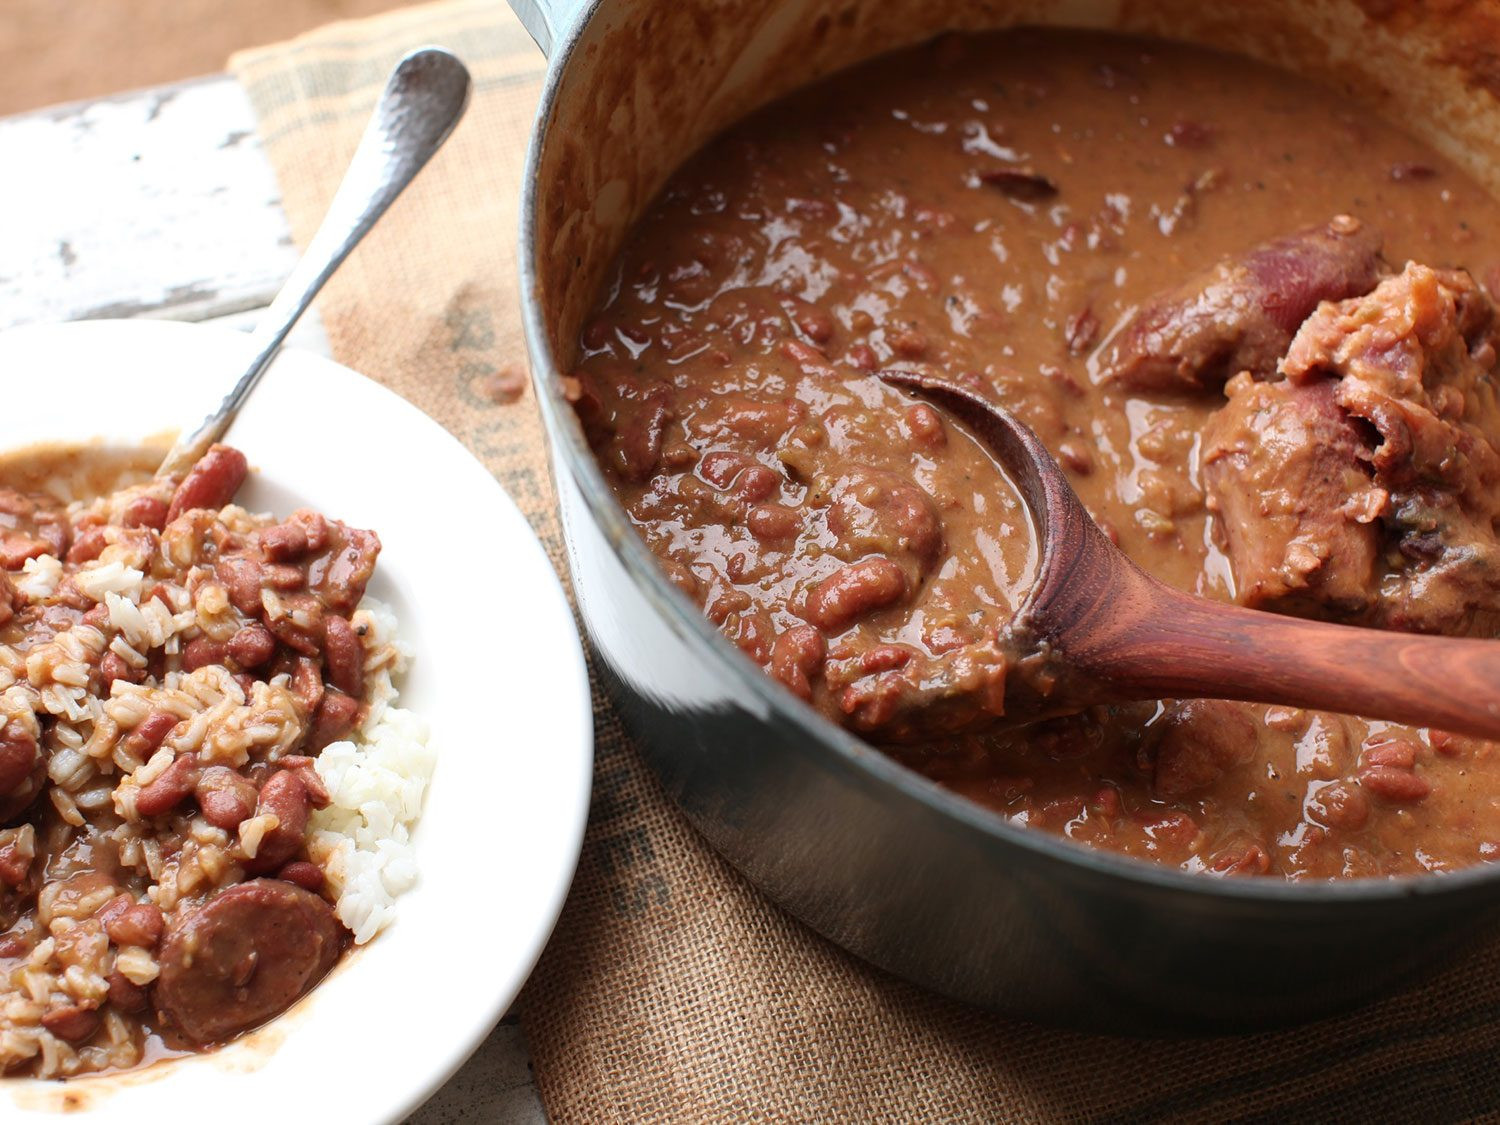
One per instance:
(1097, 628)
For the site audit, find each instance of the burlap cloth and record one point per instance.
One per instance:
(671, 990)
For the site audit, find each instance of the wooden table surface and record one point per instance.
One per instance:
(161, 204)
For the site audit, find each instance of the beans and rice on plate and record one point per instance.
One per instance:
(205, 787)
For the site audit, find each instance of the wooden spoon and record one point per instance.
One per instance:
(1096, 628)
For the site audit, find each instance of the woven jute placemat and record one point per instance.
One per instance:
(671, 990)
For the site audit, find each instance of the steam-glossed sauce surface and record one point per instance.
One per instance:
(1010, 212)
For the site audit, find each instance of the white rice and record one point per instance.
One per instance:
(376, 785)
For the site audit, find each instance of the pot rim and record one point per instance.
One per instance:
(838, 750)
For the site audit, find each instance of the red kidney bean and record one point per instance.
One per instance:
(113, 909)
(98, 617)
(349, 568)
(908, 343)
(241, 578)
(862, 357)
(924, 427)
(884, 658)
(1446, 743)
(169, 789)
(283, 576)
(1172, 830)
(1398, 753)
(16, 548)
(1398, 785)
(809, 359)
(1340, 805)
(286, 628)
(88, 546)
(757, 483)
(284, 542)
(816, 324)
(753, 635)
(211, 483)
(225, 797)
(307, 685)
(150, 733)
(638, 444)
(1080, 330)
(335, 718)
(1106, 802)
(252, 646)
(773, 521)
(852, 591)
(17, 756)
(720, 466)
(283, 796)
(125, 994)
(72, 1022)
(201, 652)
(796, 656)
(145, 511)
(140, 923)
(307, 769)
(344, 655)
(314, 527)
(1250, 860)
(114, 667)
(307, 875)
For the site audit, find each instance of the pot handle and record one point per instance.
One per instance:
(548, 21)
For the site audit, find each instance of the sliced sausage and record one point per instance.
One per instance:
(243, 957)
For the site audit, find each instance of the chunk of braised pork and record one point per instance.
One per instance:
(1197, 741)
(1241, 314)
(1411, 369)
(1287, 471)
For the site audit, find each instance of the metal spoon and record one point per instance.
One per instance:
(1096, 628)
(422, 102)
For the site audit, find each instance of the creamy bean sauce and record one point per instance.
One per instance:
(1120, 240)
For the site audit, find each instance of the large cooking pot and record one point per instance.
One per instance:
(880, 860)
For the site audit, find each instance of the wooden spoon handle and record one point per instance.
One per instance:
(1156, 642)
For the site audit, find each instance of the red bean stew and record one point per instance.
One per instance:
(1252, 321)
(171, 666)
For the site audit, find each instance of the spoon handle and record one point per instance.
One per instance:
(1152, 641)
(422, 102)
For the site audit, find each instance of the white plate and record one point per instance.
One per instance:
(498, 674)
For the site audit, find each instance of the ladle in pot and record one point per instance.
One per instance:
(1096, 628)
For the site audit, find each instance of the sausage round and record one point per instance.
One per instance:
(243, 957)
